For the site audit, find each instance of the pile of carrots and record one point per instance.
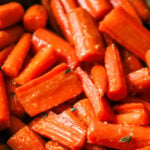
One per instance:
(75, 74)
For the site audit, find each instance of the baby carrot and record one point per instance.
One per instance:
(14, 61)
(117, 89)
(86, 37)
(35, 17)
(10, 14)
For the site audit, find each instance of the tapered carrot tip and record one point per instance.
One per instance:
(35, 17)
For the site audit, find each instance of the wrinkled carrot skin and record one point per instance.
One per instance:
(108, 40)
(14, 11)
(97, 9)
(89, 146)
(138, 81)
(60, 129)
(99, 77)
(4, 147)
(141, 8)
(86, 37)
(39, 98)
(101, 133)
(12, 65)
(5, 52)
(53, 145)
(125, 4)
(25, 139)
(35, 17)
(100, 105)
(4, 110)
(134, 36)
(39, 64)
(10, 35)
(117, 89)
(147, 58)
(43, 38)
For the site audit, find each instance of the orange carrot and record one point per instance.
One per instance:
(52, 89)
(4, 147)
(99, 77)
(35, 17)
(25, 139)
(14, 11)
(89, 146)
(14, 61)
(116, 80)
(4, 110)
(38, 65)
(135, 37)
(147, 58)
(11, 35)
(43, 38)
(118, 136)
(100, 105)
(144, 148)
(86, 37)
(108, 40)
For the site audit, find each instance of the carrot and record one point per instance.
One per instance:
(116, 80)
(118, 136)
(35, 17)
(134, 36)
(99, 77)
(108, 40)
(87, 39)
(52, 89)
(85, 111)
(138, 81)
(147, 58)
(89, 146)
(100, 105)
(97, 9)
(144, 148)
(9, 36)
(14, 61)
(39, 64)
(61, 129)
(5, 52)
(43, 38)
(25, 139)
(4, 147)
(4, 110)
(14, 11)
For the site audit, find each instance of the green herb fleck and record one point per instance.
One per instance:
(73, 132)
(13, 94)
(73, 109)
(45, 115)
(126, 139)
(68, 70)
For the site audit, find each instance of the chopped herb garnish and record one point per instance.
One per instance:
(68, 70)
(73, 132)
(126, 139)
(73, 109)
(45, 115)
(13, 94)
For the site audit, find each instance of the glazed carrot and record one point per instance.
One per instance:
(134, 36)
(25, 139)
(100, 105)
(11, 35)
(85, 111)
(86, 37)
(113, 135)
(108, 40)
(38, 65)
(139, 80)
(97, 8)
(147, 58)
(116, 80)
(5, 52)
(144, 148)
(99, 77)
(14, 61)
(14, 11)
(4, 147)
(53, 145)
(52, 89)
(35, 17)
(60, 129)
(4, 110)
(43, 38)
(89, 146)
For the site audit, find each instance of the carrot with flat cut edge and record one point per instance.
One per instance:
(15, 59)
(118, 136)
(147, 58)
(87, 39)
(108, 40)
(100, 105)
(10, 35)
(99, 77)
(85, 112)
(43, 38)
(39, 64)
(117, 89)
(134, 36)
(14, 11)
(25, 139)
(4, 147)
(35, 17)
(53, 88)
(90, 146)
